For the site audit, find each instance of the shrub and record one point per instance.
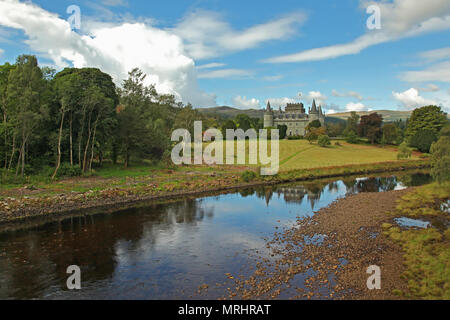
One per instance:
(66, 170)
(352, 137)
(403, 151)
(422, 140)
(248, 175)
(323, 140)
(440, 159)
(294, 137)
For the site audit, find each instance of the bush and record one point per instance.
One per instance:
(248, 175)
(422, 140)
(403, 151)
(295, 137)
(324, 140)
(66, 170)
(440, 159)
(352, 137)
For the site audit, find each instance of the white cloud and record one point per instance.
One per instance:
(114, 3)
(358, 106)
(273, 78)
(399, 19)
(207, 35)
(410, 99)
(280, 102)
(224, 73)
(316, 95)
(430, 88)
(211, 65)
(1, 52)
(159, 53)
(352, 94)
(436, 72)
(437, 54)
(244, 103)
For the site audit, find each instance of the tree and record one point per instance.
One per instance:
(6, 127)
(313, 124)
(283, 130)
(335, 129)
(323, 140)
(143, 130)
(229, 124)
(370, 127)
(422, 140)
(68, 92)
(391, 134)
(314, 134)
(25, 85)
(243, 122)
(429, 117)
(352, 124)
(440, 157)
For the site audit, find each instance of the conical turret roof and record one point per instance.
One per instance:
(314, 108)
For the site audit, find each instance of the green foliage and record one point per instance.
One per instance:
(422, 140)
(294, 137)
(283, 130)
(440, 157)
(404, 152)
(370, 127)
(313, 124)
(351, 137)
(314, 133)
(248, 175)
(66, 170)
(229, 124)
(352, 123)
(429, 117)
(391, 134)
(243, 122)
(323, 141)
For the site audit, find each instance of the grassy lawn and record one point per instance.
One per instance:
(300, 154)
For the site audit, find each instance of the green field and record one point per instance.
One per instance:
(300, 154)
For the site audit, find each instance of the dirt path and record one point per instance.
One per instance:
(340, 242)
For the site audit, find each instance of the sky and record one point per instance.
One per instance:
(244, 53)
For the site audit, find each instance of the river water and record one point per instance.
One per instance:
(167, 251)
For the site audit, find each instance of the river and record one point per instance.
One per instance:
(169, 250)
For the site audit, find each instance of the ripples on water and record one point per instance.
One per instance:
(166, 251)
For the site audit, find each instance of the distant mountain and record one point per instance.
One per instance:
(229, 112)
(388, 115)
(226, 112)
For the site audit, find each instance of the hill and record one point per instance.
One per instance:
(388, 115)
(226, 112)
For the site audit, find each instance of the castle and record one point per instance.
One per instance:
(294, 117)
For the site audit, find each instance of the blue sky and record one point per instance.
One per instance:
(242, 53)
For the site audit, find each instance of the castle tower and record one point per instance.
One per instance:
(268, 116)
(321, 116)
(313, 112)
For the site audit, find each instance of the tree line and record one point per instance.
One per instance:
(70, 121)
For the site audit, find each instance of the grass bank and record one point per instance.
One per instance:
(426, 251)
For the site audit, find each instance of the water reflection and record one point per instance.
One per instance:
(165, 251)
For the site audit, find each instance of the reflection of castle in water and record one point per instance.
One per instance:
(314, 191)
